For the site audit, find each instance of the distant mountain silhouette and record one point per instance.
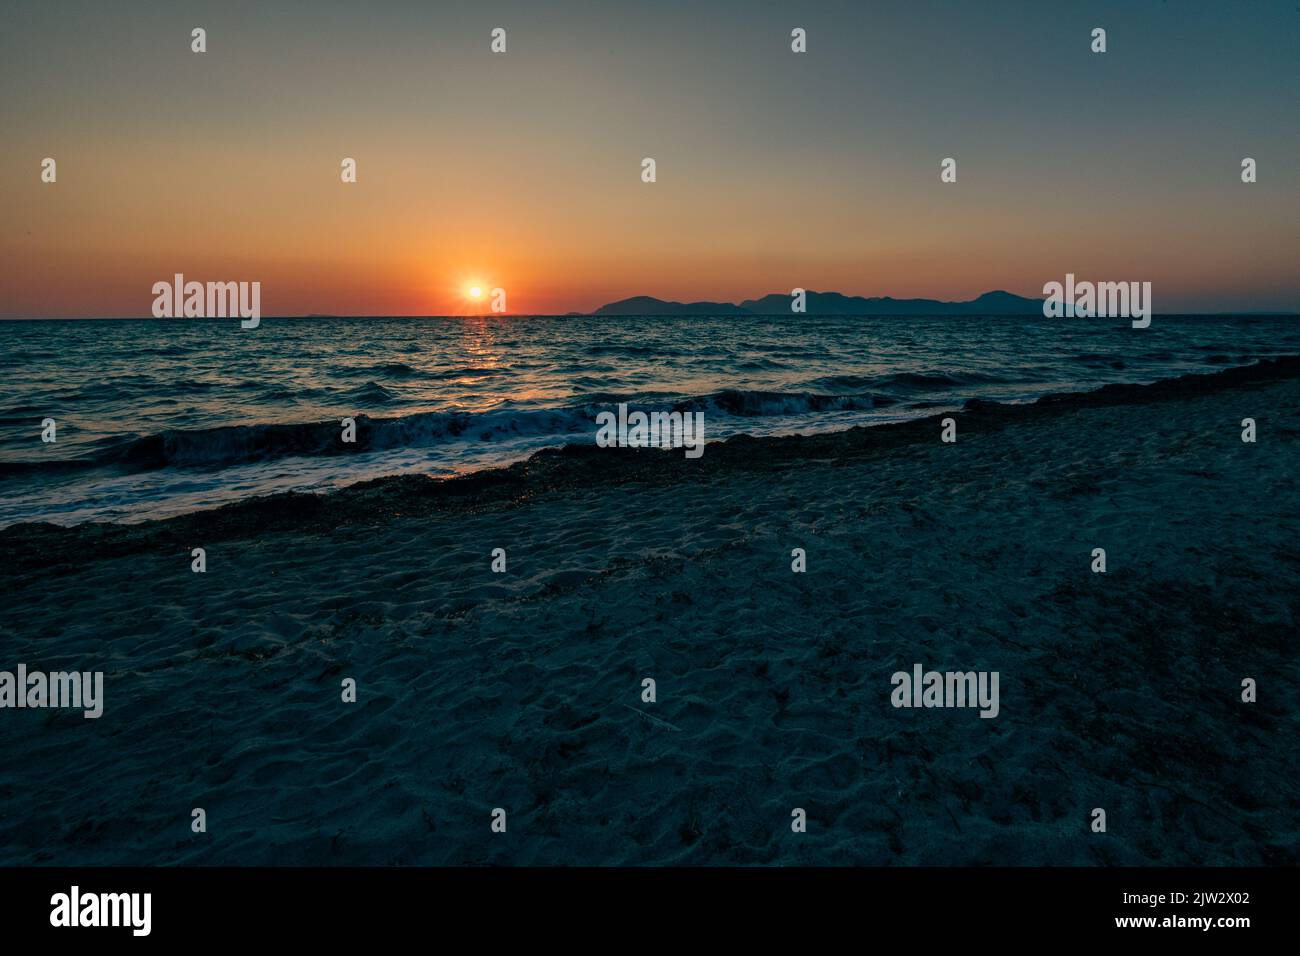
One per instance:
(831, 303)
(648, 305)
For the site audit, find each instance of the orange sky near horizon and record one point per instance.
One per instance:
(522, 171)
(398, 242)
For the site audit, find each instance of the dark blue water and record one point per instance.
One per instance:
(159, 417)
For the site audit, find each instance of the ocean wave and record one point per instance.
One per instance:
(164, 350)
(228, 445)
(655, 351)
(371, 393)
(745, 403)
(933, 380)
(131, 388)
(237, 444)
(468, 371)
(21, 468)
(391, 369)
(221, 446)
(740, 403)
(1100, 360)
(403, 370)
(846, 383)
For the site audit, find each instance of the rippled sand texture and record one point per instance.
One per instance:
(522, 690)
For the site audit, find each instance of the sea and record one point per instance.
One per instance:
(158, 417)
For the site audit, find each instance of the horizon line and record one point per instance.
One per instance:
(607, 315)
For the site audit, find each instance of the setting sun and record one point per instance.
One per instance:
(475, 293)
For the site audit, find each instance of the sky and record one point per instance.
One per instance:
(522, 170)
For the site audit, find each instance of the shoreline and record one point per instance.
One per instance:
(568, 465)
(156, 439)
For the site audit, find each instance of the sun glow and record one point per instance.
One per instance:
(468, 291)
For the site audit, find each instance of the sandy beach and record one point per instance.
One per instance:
(522, 690)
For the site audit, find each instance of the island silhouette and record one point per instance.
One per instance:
(830, 303)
